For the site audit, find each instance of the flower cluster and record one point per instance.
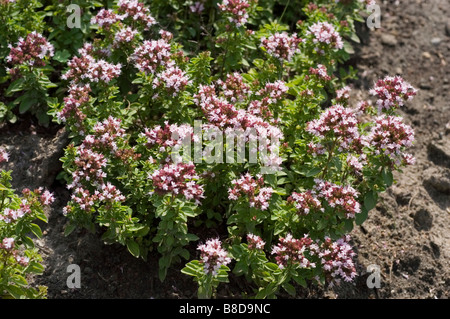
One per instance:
(343, 199)
(291, 251)
(105, 135)
(306, 202)
(77, 98)
(90, 163)
(177, 179)
(258, 196)
(315, 149)
(11, 215)
(270, 94)
(234, 89)
(282, 46)
(227, 117)
(110, 193)
(173, 79)
(87, 68)
(89, 168)
(321, 71)
(46, 198)
(31, 51)
(105, 18)
(4, 156)
(5, 2)
(8, 244)
(392, 92)
(343, 95)
(137, 12)
(362, 107)
(390, 136)
(273, 91)
(336, 258)
(255, 242)
(151, 54)
(324, 33)
(168, 137)
(197, 7)
(90, 171)
(213, 256)
(338, 124)
(216, 109)
(124, 35)
(236, 9)
(83, 198)
(355, 163)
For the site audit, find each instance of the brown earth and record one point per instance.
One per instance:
(407, 236)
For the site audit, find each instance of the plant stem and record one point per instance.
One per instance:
(284, 11)
(330, 155)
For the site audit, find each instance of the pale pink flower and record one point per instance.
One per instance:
(324, 33)
(213, 256)
(281, 45)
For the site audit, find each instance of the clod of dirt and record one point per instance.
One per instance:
(439, 152)
(440, 182)
(388, 39)
(423, 220)
(435, 250)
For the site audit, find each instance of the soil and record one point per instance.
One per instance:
(407, 235)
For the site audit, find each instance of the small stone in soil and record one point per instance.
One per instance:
(436, 41)
(388, 39)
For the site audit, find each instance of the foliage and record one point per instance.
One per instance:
(19, 258)
(157, 99)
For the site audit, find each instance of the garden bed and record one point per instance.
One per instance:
(407, 235)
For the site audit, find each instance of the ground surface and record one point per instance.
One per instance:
(407, 236)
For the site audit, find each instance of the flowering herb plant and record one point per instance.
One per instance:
(188, 117)
(19, 258)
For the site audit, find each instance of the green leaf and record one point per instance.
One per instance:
(273, 266)
(354, 37)
(370, 200)
(185, 254)
(348, 48)
(36, 230)
(41, 216)
(62, 56)
(348, 225)
(69, 228)
(133, 247)
(313, 172)
(192, 237)
(240, 268)
(43, 118)
(193, 268)
(362, 216)
(169, 240)
(222, 275)
(162, 273)
(26, 104)
(14, 291)
(18, 280)
(15, 86)
(301, 281)
(28, 242)
(142, 231)
(388, 178)
(289, 289)
(35, 268)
